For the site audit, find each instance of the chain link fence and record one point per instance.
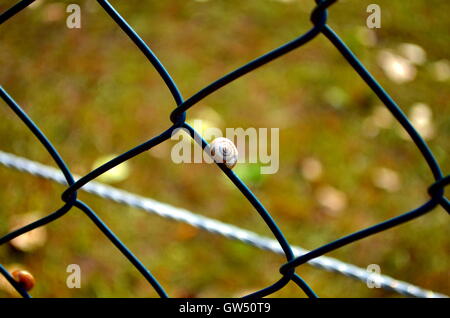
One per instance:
(294, 257)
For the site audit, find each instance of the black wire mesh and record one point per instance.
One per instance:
(178, 119)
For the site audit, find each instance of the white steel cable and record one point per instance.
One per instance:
(214, 226)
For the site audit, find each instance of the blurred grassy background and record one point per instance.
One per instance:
(344, 164)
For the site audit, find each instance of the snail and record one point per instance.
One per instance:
(223, 150)
(24, 278)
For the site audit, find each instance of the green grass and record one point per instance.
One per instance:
(93, 93)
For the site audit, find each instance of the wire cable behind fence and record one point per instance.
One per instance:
(294, 256)
(213, 226)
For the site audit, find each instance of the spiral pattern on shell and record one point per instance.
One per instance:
(223, 150)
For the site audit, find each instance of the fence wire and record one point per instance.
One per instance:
(214, 226)
(294, 256)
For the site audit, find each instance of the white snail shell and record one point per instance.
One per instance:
(223, 150)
